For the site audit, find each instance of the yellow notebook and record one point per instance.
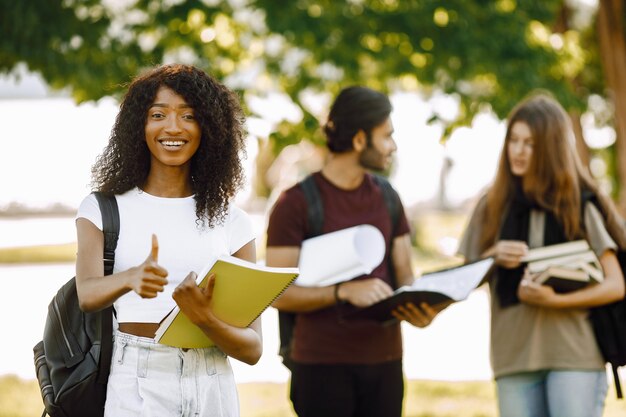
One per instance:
(243, 290)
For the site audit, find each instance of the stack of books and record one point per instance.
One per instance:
(565, 266)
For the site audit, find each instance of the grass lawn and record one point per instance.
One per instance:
(20, 398)
(38, 254)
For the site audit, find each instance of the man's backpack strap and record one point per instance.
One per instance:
(111, 231)
(392, 200)
(315, 221)
(314, 207)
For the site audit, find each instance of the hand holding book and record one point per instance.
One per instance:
(240, 292)
(194, 301)
(437, 289)
(418, 316)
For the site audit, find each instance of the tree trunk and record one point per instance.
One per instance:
(581, 145)
(612, 36)
(561, 26)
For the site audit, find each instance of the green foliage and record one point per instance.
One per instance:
(486, 53)
(67, 45)
(94, 49)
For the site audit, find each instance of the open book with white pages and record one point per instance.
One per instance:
(438, 288)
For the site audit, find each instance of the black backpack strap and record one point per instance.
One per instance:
(111, 231)
(618, 385)
(392, 200)
(315, 222)
(110, 228)
(315, 210)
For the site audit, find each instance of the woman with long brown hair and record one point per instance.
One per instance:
(543, 351)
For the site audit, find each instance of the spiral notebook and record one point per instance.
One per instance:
(243, 290)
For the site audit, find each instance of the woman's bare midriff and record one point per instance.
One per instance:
(139, 329)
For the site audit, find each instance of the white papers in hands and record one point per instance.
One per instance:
(456, 283)
(339, 256)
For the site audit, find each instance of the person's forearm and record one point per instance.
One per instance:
(298, 299)
(611, 289)
(593, 296)
(407, 279)
(96, 293)
(243, 344)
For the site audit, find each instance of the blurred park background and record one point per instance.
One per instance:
(453, 70)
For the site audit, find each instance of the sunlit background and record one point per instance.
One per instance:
(452, 69)
(49, 144)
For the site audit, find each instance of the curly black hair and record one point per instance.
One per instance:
(216, 170)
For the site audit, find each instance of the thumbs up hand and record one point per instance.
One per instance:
(149, 278)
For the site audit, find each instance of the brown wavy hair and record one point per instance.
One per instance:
(216, 170)
(555, 174)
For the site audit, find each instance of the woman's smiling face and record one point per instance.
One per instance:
(172, 132)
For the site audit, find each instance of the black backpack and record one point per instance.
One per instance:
(315, 221)
(609, 326)
(609, 321)
(72, 361)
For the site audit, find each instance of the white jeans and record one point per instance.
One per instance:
(149, 379)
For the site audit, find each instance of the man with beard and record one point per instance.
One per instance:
(347, 368)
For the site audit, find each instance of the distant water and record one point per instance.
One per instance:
(31, 231)
(27, 291)
(453, 347)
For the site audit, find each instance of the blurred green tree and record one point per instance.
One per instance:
(487, 54)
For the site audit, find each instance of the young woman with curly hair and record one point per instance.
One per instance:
(173, 164)
(544, 355)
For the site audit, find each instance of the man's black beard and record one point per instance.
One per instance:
(371, 158)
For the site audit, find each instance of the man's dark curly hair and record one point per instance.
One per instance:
(216, 171)
(355, 108)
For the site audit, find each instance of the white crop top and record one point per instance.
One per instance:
(183, 245)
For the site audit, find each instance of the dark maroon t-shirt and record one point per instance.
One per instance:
(321, 336)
